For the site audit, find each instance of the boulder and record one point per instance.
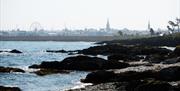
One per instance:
(9, 69)
(51, 65)
(3, 88)
(109, 76)
(99, 77)
(15, 51)
(170, 73)
(43, 72)
(84, 63)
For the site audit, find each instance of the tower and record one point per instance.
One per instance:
(107, 25)
(149, 26)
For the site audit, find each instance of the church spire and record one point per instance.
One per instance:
(149, 26)
(107, 25)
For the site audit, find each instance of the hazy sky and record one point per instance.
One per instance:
(79, 14)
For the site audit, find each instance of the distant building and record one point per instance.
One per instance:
(108, 25)
(149, 26)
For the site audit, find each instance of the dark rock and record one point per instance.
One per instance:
(149, 50)
(135, 85)
(106, 76)
(99, 77)
(133, 75)
(105, 50)
(117, 49)
(114, 65)
(124, 57)
(170, 74)
(172, 60)
(175, 53)
(9, 69)
(149, 86)
(43, 72)
(110, 86)
(84, 63)
(177, 88)
(51, 64)
(156, 58)
(15, 51)
(57, 51)
(3, 88)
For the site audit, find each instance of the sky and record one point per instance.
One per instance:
(80, 14)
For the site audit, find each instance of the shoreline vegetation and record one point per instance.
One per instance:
(131, 65)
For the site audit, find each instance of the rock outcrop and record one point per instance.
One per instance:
(3, 88)
(9, 69)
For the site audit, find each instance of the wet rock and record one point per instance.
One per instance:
(57, 51)
(43, 72)
(15, 51)
(84, 63)
(3, 88)
(99, 77)
(51, 65)
(170, 73)
(11, 51)
(9, 69)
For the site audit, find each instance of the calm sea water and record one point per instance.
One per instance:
(34, 53)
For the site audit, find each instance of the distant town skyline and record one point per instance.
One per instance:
(80, 14)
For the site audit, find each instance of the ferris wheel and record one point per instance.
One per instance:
(35, 26)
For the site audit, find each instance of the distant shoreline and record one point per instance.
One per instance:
(59, 38)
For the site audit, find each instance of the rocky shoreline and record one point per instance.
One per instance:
(159, 72)
(132, 67)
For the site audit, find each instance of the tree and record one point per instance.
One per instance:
(170, 29)
(152, 31)
(178, 23)
(174, 25)
(120, 33)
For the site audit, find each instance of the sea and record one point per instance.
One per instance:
(34, 52)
